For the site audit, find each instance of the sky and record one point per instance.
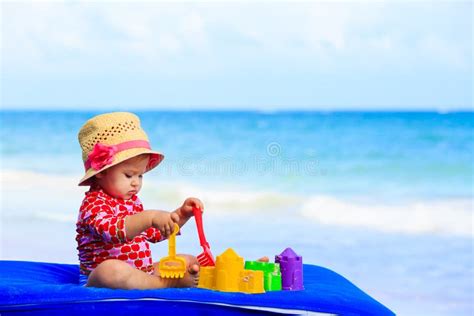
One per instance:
(268, 55)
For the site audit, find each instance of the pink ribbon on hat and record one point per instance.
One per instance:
(103, 155)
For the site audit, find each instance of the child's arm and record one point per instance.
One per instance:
(161, 220)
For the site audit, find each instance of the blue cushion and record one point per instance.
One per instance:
(52, 289)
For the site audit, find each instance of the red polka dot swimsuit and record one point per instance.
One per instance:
(101, 233)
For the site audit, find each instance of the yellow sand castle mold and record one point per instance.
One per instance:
(229, 275)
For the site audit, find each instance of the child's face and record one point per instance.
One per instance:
(124, 179)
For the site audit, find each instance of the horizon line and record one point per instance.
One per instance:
(239, 109)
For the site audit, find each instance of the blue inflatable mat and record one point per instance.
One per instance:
(52, 289)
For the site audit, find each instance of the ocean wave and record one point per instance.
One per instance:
(452, 216)
(57, 198)
(39, 196)
(221, 201)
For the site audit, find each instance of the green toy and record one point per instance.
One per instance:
(271, 274)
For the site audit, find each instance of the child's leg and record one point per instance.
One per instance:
(117, 274)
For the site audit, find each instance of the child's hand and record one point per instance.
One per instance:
(164, 222)
(186, 210)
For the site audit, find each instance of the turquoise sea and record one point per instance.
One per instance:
(383, 198)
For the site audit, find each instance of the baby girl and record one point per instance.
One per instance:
(113, 229)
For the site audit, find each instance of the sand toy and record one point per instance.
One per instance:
(172, 266)
(205, 259)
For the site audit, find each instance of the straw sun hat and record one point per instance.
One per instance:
(111, 138)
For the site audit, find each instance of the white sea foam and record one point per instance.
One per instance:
(57, 198)
(39, 196)
(453, 216)
(222, 201)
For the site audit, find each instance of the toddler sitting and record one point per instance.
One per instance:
(113, 229)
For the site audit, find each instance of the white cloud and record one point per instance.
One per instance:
(62, 36)
(440, 50)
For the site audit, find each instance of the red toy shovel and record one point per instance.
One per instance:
(205, 259)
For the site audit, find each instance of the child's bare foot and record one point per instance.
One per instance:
(263, 259)
(191, 277)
